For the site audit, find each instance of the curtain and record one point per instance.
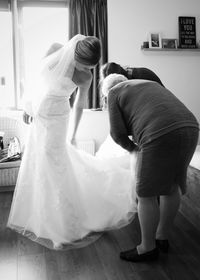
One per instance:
(5, 5)
(89, 17)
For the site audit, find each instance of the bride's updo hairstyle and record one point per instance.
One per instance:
(88, 51)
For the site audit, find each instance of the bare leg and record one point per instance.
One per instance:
(148, 214)
(169, 205)
(155, 222)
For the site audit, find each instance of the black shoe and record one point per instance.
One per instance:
(163, 245)
(133, 256)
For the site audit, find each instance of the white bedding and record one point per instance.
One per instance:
(195, 161)
(110, 149)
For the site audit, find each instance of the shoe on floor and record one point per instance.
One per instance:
(133, 256)
(163, 245)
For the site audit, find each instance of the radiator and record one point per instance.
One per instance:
(86, 145)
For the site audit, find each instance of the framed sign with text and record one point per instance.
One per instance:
(187, 32)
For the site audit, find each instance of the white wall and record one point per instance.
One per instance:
(130, 21)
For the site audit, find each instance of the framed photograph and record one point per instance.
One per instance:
(155, 41)
(169, 43)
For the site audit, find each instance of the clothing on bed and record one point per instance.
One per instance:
(195, 162)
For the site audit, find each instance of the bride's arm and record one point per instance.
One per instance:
(77, 110)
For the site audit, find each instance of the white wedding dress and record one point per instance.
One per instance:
(66, 198)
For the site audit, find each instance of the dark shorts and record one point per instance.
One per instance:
(162, 164)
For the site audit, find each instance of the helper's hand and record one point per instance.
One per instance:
(27, 118)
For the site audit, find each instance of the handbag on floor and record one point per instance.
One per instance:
(13, 152)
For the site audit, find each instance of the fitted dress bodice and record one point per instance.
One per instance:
(53, 113)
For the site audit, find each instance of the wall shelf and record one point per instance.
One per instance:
(167, 49)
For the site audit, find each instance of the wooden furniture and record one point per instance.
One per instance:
(169, 49)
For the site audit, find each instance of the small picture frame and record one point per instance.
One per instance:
(169, 43)
(155, 40)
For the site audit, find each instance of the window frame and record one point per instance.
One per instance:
(18, 44)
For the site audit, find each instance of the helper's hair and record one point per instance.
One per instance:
(110, 81)
(112, 68)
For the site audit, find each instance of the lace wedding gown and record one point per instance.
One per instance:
(65, 198)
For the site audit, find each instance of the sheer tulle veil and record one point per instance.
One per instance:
(51, 72)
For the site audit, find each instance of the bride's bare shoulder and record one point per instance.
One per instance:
(81, 78)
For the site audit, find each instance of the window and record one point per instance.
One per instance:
(40, 27)
(7, 96)
(27, 31)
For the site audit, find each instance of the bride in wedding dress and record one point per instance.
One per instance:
(65, 198)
